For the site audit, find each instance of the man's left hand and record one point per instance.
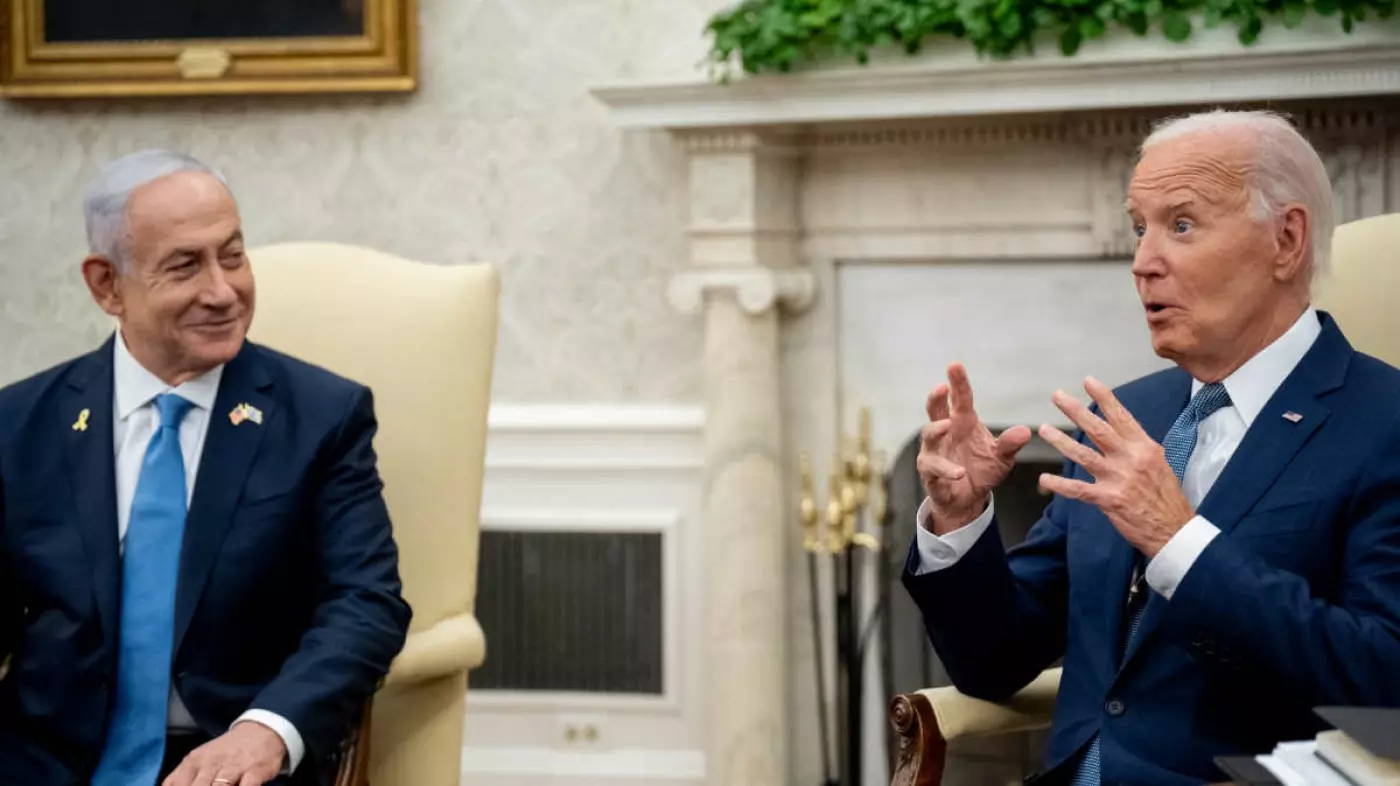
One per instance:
(249, 754)
(1133, 484)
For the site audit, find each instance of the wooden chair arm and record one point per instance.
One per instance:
(354, 756)
(925, 721)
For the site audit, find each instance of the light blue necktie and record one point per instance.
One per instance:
(135, 743)
(1179, 443)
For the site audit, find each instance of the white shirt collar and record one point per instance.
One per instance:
(136, 387)
(1254, 383)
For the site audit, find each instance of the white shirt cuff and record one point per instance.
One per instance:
(1166, 570)
(296, 749)
(937, 552)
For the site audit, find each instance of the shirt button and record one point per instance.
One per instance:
(1114, 707)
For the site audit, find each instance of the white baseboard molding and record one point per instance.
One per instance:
(482, 765)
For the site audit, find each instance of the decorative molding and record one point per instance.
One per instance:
(646, 766)
(941, 134)
(506, 418)
(1111, 229)
(1118, 72)
(580, 442)
(525, 519)
(1357, 172)
(756, 288)
(730, 140)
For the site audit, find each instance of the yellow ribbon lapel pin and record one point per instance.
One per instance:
(81, 424)
(245, 413)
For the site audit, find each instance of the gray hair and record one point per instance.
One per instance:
(104, 206)
(1287, 171)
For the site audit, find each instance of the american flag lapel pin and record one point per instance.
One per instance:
(1292, 417)
(245, 413)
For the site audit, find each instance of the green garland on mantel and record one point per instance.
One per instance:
(777, 35)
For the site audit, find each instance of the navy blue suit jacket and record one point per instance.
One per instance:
(1295, 604)
(288, 598)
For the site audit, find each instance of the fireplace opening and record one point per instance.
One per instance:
(1019, 504)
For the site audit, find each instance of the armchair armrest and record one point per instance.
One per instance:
(452, 645)
(928, 719)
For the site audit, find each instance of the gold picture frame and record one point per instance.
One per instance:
(88, 61)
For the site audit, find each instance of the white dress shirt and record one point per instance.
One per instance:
(1250, 388)
(134, 392)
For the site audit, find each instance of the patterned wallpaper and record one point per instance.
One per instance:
(502, 156)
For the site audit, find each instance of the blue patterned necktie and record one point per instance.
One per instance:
(135, 743)
(1179, 443)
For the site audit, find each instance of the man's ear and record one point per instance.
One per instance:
(101, 274)
(1293, 234)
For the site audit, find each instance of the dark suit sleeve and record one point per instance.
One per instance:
(1341, 649)
(9, 601)
(998, 619)
(361, 620)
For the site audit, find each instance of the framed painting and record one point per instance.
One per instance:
(94, 48)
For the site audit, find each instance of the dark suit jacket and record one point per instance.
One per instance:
(1295, 604)
(288, 597)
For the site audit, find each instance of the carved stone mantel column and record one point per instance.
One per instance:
(744, 235)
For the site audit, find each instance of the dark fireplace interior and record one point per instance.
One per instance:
(1019, 503)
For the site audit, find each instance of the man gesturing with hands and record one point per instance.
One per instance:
(1222, 550)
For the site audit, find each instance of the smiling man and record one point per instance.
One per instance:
(198, 579)
(1222, 551)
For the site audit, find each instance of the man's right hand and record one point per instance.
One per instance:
(960, 462)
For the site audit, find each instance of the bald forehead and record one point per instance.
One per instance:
(1210, 166)
(182, 190)
(184, 210)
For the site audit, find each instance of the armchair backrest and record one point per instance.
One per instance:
(422, 337)
(1360, 291)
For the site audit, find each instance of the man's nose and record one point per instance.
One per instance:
(1148, 260)
(220, 292)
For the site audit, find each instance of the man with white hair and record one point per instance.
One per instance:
(1222, 551)
(198, 579)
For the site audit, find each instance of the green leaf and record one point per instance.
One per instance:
(1249, 31)
(1070, 40)
(1176, 26)
(758, 36)
(1293, 12)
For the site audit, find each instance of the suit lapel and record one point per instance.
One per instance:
(1267, 448)
(229, 451)
(1156, 417)
(1273, 440)
(91, 460)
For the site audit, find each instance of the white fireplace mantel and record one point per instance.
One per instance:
(1314, 61)
(879, 208)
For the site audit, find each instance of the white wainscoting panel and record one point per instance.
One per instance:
(598, 468)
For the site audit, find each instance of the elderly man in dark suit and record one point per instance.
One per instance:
(1222, 552)
(198, 581)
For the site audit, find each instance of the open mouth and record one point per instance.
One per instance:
(1156, 308)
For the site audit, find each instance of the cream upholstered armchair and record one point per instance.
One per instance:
(422, 337)
(1359, 294)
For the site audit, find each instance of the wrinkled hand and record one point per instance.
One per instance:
(249, 754)
(960, 462)
(1133, 484)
